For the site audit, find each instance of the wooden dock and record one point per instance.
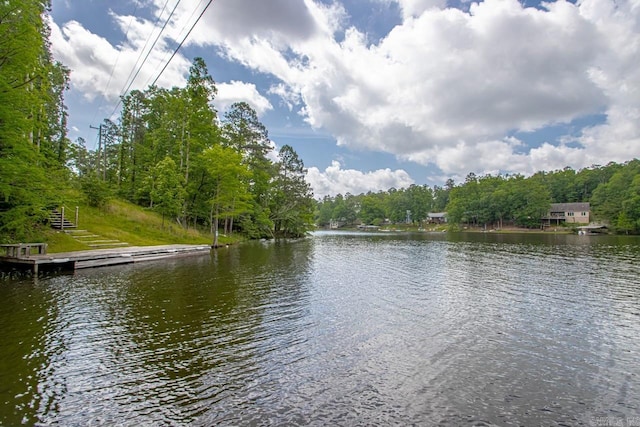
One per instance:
(69, 261)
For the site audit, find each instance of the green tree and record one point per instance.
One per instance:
(291, 201)
(371, 209)
(200, 130)
(179, 123)
(345, 209)
(96, 191)
(608, 199)
(132, 150)
(243, 131)
(421, 201)
(167, 191)
(32, 120)
(530, 201)
(441, 196)
(625, 224)
(228, 192)
(324, 211)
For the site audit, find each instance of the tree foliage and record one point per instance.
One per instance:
(170, 151)
(496, 201)
(33, 139)
(291, 199)
(167, 151)
(227, 192)
(618, 199)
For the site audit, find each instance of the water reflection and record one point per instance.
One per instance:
(357, 328)
(24, 357)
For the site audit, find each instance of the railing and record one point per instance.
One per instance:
(58, 219)
(21, 250)
(555, 215)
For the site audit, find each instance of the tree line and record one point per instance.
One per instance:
(613, 192)
(171, 152)
(168, 150)
(33, 134)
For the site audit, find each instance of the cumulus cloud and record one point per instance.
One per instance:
(335, 180)
(449, 76)
(446, 82)
(99, 68)
(444, 87)
(412, 8)
(229, 93)
(289, 98)
(231, 21)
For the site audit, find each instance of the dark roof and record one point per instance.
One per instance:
(569, 207)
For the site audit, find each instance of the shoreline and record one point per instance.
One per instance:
(468, 230)
(76, 260)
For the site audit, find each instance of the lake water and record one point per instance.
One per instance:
(337, 329)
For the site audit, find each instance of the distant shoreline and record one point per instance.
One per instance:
(508, 230)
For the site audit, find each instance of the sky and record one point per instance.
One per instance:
(379, 94)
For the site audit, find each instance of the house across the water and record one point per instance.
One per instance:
(437, 217)
(569, 213)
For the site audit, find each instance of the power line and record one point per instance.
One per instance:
(186, 23)
(182, 42)
(128, 86)
(115, 64)
(146, 42)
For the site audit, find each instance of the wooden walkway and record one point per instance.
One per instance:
(101, 257)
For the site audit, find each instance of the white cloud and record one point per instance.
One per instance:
(335, 180)
(444, 87)
(229, 93)
(447, 80)
(99, 68)
(457, 159)
(234, 20)
(288, 97)
(448, 77)
(413, 8)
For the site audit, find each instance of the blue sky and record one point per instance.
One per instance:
(375, 94)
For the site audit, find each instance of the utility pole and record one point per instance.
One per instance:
(99, 129)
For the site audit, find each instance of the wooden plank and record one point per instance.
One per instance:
(23, 250)
(104, 257)
(103, 262)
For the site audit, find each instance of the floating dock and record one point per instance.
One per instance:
(69, 261)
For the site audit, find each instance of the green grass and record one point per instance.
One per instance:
(61, 242)
(126, 222)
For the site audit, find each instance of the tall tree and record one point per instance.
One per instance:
(132, 152)
(291, 196)
(199, 131)
(243, 131)
(32, 119)
(372, 209)
(228, 194)
(618, 200)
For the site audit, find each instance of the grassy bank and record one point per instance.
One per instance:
(129, 224)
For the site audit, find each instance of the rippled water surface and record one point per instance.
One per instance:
(336, 329)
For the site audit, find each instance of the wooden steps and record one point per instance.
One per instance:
(95, 241)
(58, 222)
(107, 244)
